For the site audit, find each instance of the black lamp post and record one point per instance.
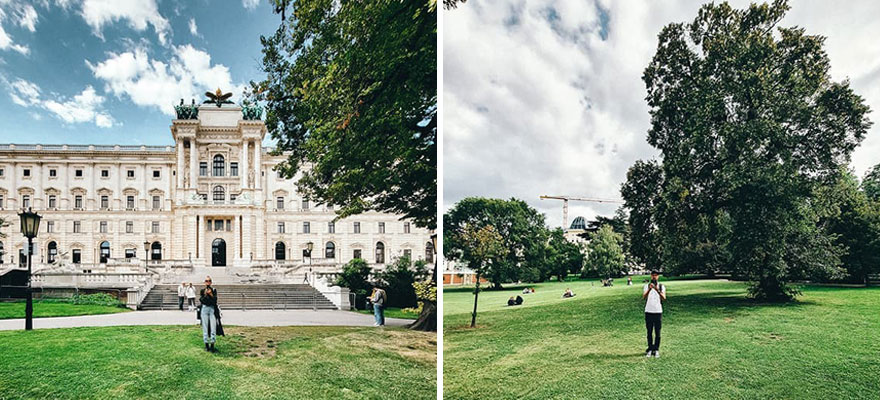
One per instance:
(309, 247)
(146, 256)
(30, 226)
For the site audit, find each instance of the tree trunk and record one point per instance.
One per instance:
(427, 320)
(476, 295)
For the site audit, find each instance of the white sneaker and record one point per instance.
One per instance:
(656, 353)
(648, 354)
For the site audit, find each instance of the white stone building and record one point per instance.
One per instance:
(210, 203)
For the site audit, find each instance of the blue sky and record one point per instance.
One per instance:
(108, 71)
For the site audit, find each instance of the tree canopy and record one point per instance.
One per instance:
(749, 123)
(351, 98)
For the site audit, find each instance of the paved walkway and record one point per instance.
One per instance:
(230, 317)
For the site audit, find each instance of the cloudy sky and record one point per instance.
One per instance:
(546, 97)
(108, 71)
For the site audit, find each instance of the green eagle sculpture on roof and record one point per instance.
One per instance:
(218, 98)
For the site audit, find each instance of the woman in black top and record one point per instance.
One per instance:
(208, 300)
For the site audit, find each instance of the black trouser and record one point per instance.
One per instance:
(180, 302)
(653, 321)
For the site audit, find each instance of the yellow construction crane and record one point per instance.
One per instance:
(565, 200)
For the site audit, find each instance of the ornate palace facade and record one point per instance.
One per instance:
(211, 202)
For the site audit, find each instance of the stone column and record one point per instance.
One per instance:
(179, 164)
(243, 170)
(257, 164)
(38, 188)
(193, 163)
(201, 243)
(12, 194)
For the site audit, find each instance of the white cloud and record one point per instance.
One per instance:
(23, 15)
(153, 83)
(250, 4)
(138, 13)
(536, 101)
(83, 107)
(193, 28)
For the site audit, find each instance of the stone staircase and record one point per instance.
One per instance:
(244, 297)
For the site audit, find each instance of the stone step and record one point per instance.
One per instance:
(239, 296)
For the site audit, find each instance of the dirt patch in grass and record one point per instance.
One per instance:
(258, 342)
(415, 345)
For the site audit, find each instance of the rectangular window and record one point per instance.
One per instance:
(406, 227)
(53, 201)
(331, 227)
(306, 227)
(233, 169)
(129, 202)
(210, 225)
(50, 226)
(381, 227)
(105, 173)
(77, 256)
(103, 227)
(281, 227)
(78, 202)
(105, 202)
(27, 172)
(156, 203)
(203, 169)
(229, 225)
(218, 225)
(1, 201)
(129, 226)
(130, 253)
(25, 201)
(407, 253)
(155, 227)
(77, 227)
(157, 173)
(130, 173)
(305, 204)
(357, 227)
(78, 173)
(53, 173)
(1, 171)
(279, 203)
(357, 253)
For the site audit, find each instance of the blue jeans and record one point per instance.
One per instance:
(209, 321)
(379, 312)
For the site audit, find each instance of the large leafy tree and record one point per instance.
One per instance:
(564, 257)
(749, 123)
(871, 183)
(521, 228)
(351, 98)
(481, 246)
(605, 254)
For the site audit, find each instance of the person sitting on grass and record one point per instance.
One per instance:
(519, 300)
(511, 301)
(568, 293)
(629, 281)
(655, 293)
(527, 291)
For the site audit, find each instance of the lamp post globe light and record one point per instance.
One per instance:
(30, 226)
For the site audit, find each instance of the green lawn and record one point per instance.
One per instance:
(16, 309)
(393, 312)
(169, 362)
(716, 344)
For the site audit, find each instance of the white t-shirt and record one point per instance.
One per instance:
(653, 305)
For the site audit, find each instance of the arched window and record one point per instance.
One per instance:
(280, 251)
(156, 251)
(219, 165)
(330, 250)
(380, 253)
(429, 252)
(219, 193)
(105, 252)
(53, 252)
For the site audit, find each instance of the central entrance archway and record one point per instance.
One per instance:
(218, 253)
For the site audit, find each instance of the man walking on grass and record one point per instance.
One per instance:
(655, 293)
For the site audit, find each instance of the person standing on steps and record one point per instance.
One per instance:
(191, 297)
(181, 294)
(655, 293)
(207, 311)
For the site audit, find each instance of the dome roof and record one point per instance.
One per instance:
(579, 223)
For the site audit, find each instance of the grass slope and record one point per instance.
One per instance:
(169, 362)
(16, 310)
(716, 344)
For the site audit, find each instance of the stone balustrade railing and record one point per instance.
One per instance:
(90, 280)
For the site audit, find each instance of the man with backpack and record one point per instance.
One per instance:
(379, 299)
(655, 293)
